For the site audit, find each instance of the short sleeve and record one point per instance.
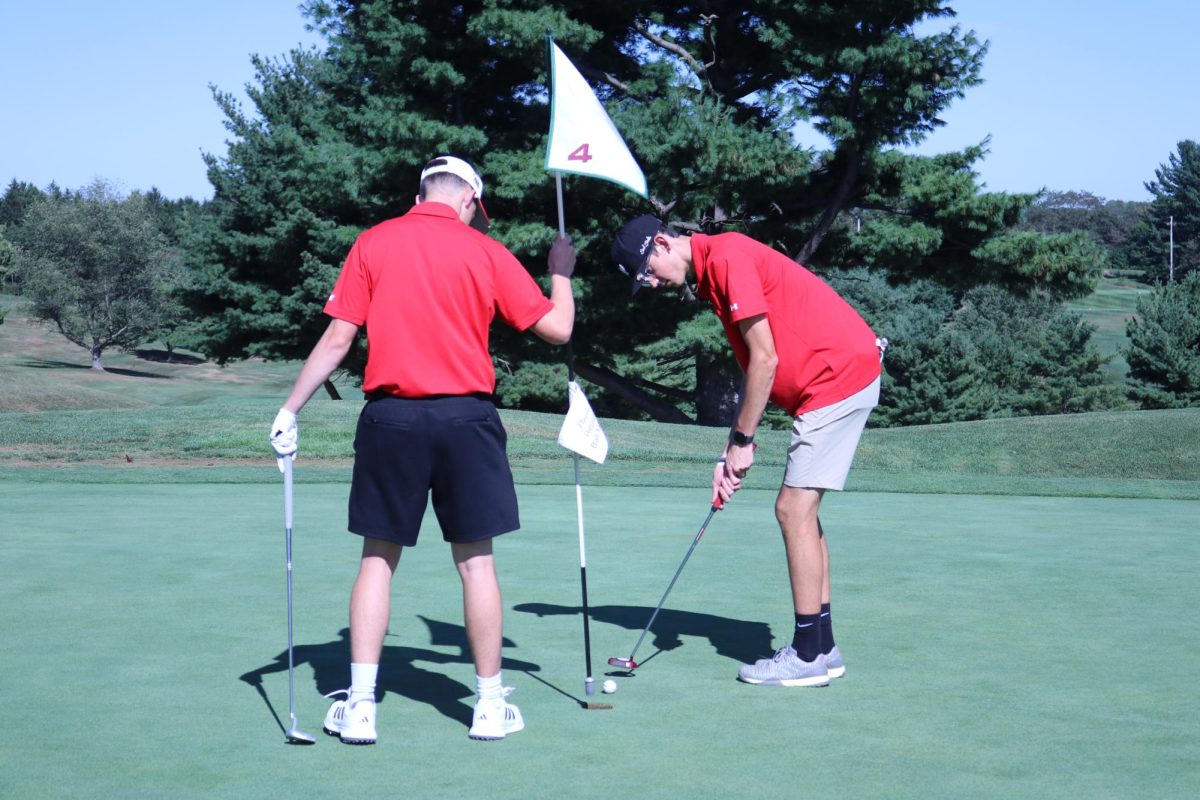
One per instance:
(737, 286)
(519, 300)
(351, 295)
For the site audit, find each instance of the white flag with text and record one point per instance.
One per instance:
(583, 140)
(581, 432)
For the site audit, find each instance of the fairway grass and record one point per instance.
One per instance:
(150, 420)
(1109, 308)
(987, 640)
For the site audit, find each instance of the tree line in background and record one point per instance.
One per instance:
(970, 286)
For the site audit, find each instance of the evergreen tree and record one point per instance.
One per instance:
(707, 96)
(16, 200)
(987, 354)
(1164, 346)
(1176, 193)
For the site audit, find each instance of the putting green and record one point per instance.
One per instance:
(996, 647)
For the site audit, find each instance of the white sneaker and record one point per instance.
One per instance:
(353, 724)
(495, 719)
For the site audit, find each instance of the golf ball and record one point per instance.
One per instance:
(609, 686)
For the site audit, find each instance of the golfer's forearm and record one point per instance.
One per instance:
(756, 392)
(317, 369)
(324, 359)
(556, 326)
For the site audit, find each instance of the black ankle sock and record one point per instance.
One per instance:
(807, 639)
(826, 629)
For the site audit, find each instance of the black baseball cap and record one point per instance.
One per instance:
(632, 246)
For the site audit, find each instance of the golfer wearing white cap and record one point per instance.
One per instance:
(427, 287)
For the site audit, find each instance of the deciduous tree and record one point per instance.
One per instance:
(96, 266)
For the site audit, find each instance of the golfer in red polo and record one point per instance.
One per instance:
(427, 286)
(802, 347)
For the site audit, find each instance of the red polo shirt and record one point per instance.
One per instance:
(826, 351)
(427, 287)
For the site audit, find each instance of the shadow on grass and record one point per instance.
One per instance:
(44, 363)
(168, 357)
(399, 672)
(738, 639)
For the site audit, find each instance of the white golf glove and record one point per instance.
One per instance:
(285, 436)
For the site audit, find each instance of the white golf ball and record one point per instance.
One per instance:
(609, 686)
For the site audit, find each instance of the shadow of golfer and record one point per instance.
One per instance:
(738, 639)
(399, 672)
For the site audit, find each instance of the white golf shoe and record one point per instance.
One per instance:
(495, 719)
(353, 724)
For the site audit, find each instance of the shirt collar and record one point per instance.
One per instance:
(432, 208)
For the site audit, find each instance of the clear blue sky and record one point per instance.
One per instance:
(1078, 95)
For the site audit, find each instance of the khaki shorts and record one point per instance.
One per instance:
(824, 441)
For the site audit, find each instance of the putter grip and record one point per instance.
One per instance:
(287, 493)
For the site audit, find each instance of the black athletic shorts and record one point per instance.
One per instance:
(453, 447)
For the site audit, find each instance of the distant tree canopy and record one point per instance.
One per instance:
(97, 266)
(1176, 191)
(706, 95)
(1107, 222)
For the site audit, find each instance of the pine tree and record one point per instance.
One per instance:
(707, 96)
(1164, 346)
(1176, 205)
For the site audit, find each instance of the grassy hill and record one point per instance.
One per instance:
(148, 419)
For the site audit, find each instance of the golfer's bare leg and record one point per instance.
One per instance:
(796, 510)
(370, 600)
(482, 610)
(825, 594)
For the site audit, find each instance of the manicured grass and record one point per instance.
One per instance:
(1108, 308)
(987, 629)
(984, 640)
(150, 421)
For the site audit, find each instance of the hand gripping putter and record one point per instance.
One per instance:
(629, 663)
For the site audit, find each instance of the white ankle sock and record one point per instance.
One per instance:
(362, 682)
(489, 688)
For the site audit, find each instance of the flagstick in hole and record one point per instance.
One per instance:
(584, 141)
(574, 393)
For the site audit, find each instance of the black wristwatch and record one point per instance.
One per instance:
(741, 439)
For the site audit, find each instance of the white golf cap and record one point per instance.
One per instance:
(461, 169)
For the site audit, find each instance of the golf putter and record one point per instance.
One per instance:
(629, 663)
(294, 734)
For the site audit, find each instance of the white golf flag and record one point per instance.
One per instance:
(583, 140)
(581, 432)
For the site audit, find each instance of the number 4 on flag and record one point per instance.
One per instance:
(580, 154)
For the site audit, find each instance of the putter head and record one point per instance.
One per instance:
(297, 736)
(623, 663)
